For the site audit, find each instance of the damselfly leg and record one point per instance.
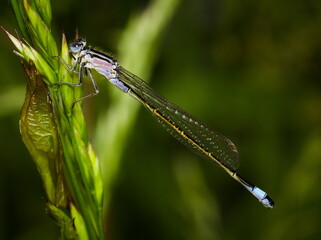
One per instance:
(80, 78)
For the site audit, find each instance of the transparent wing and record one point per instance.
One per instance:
(181, 124)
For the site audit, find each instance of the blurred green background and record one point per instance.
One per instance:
(250, 69)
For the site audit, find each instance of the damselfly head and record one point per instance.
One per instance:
(77, 45)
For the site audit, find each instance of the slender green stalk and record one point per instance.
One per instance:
(81, 170)
(53, 131)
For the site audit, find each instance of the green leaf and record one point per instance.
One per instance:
(40, 135)
(79, 223)
(17, 7)
(44, 10)
(29, 53)
(40, 31)
(66, 224)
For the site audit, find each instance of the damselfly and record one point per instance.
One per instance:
(186, 128)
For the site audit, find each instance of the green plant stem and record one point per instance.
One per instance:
(81, 173)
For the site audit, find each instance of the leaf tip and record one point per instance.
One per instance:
(4, 30)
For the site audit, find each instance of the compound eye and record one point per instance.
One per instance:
(76, 47)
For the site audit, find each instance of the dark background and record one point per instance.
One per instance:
(250, 69)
